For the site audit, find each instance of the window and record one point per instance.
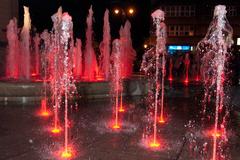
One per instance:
(180, 30)
(179, 11)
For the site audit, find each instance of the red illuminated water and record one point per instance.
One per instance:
(90, 61)
(170, 76)
(127, 54)
(214, 48)
(187, 64)
(116, 78)
(12, 64)
(105, 48)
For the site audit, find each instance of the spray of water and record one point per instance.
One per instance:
(151, 65)
(128, 54)
(77, 60)
(90, 61)
(116, 78)
(187, 64)
(214, 48)
(67, 77)
(24, 71)
(105, 47)
(12, 65)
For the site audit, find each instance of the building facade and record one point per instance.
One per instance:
(188, 21)
(8, 10)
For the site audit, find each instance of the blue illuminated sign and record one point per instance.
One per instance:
(179, 48)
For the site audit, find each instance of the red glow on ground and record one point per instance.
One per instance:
(67, 153)
(56, 130)
(116, 126)
(34, 74)
(216, 134)
(170, 79)
(186, 81)
(121, 109)
(161, 120)
(212, 133)
(45, 114)
(154, 144)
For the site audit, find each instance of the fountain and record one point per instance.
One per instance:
(170, 76)
(24, 69)
(44, 64)
(214, 48)
(187, 64)
(77, 59)
(12, 65)
(105, 47)
(55, 59)
(128, 54)
(67, 81)
(90, 61)
(116, 78)
(36, 66)
(149, 58)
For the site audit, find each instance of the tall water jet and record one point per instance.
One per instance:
(77, 59)
(24, 69)
(128, 54)
(57, 69)
(44, 64)
(161, 34)
(197, 61)
(170, 76)
(12, 65)
(116, 78)
(187, 64)
(105, 47)
(151, 65)
(214, 48)
(67, 77)
(36, 66)
(90, 61)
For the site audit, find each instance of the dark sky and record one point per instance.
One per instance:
(41, 11)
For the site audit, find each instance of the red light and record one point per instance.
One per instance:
(154, 145)
(66, 154)
(116, 126)
(45, 114)
(217, 134)
(56, 130)
(121, 109)
(162, 121)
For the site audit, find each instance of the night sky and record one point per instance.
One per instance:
(41, 11)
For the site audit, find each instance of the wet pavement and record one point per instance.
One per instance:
(25, 136)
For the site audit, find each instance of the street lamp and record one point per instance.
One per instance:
(116, 11)
(131, 11)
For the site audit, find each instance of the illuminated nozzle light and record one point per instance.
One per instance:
(154, 145)
(121, 109)
(170, 78)
(161, 120)
(66, 154)
(44, 113)
(116, 126)
(216, 134)
(56, 130)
